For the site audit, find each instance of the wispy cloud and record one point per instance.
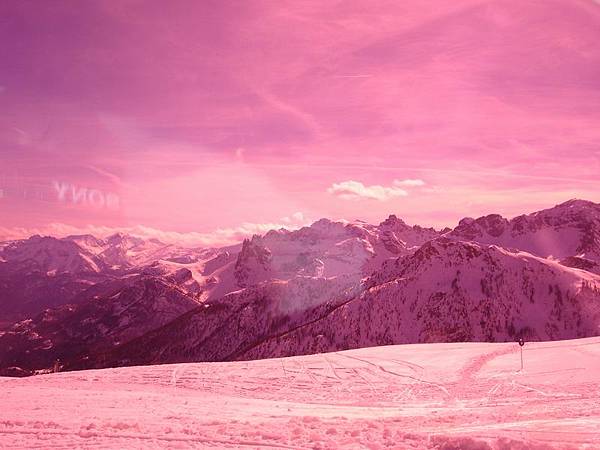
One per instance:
(353, 190)
(409, 182)
(297, 217)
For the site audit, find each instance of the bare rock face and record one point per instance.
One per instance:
(217, 262)
(492, 225)
(253, 263)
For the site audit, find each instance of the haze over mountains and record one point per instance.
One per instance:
(122, 300)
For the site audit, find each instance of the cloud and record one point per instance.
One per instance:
(352, 190)
(409, 182)
(217, 238)
(297, 217)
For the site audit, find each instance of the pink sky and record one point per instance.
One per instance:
(223, 118)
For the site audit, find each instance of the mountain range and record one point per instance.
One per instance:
(85, 302)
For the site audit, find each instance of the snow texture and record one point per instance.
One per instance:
(424, 396)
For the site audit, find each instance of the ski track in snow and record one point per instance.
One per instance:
(412, 396)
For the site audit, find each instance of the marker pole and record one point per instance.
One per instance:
(521, 344)
(521, 358)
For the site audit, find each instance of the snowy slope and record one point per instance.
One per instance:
(428, 396)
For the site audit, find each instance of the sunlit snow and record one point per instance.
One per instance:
(459, 395)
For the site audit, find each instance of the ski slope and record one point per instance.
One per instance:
(461, 395)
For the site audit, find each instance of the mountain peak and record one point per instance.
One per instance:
(577, 203)
(322, 223)
(120, 238)
(85, 240)
(392, 221)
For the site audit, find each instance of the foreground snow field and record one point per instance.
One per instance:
(447, 396)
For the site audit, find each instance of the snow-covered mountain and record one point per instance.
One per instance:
(327, 249)
(455, 291)
(49, 255)
(446, 291)
(329, 286)
(571, 229)
(86, 254)
(44, 272)
(121, 251)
